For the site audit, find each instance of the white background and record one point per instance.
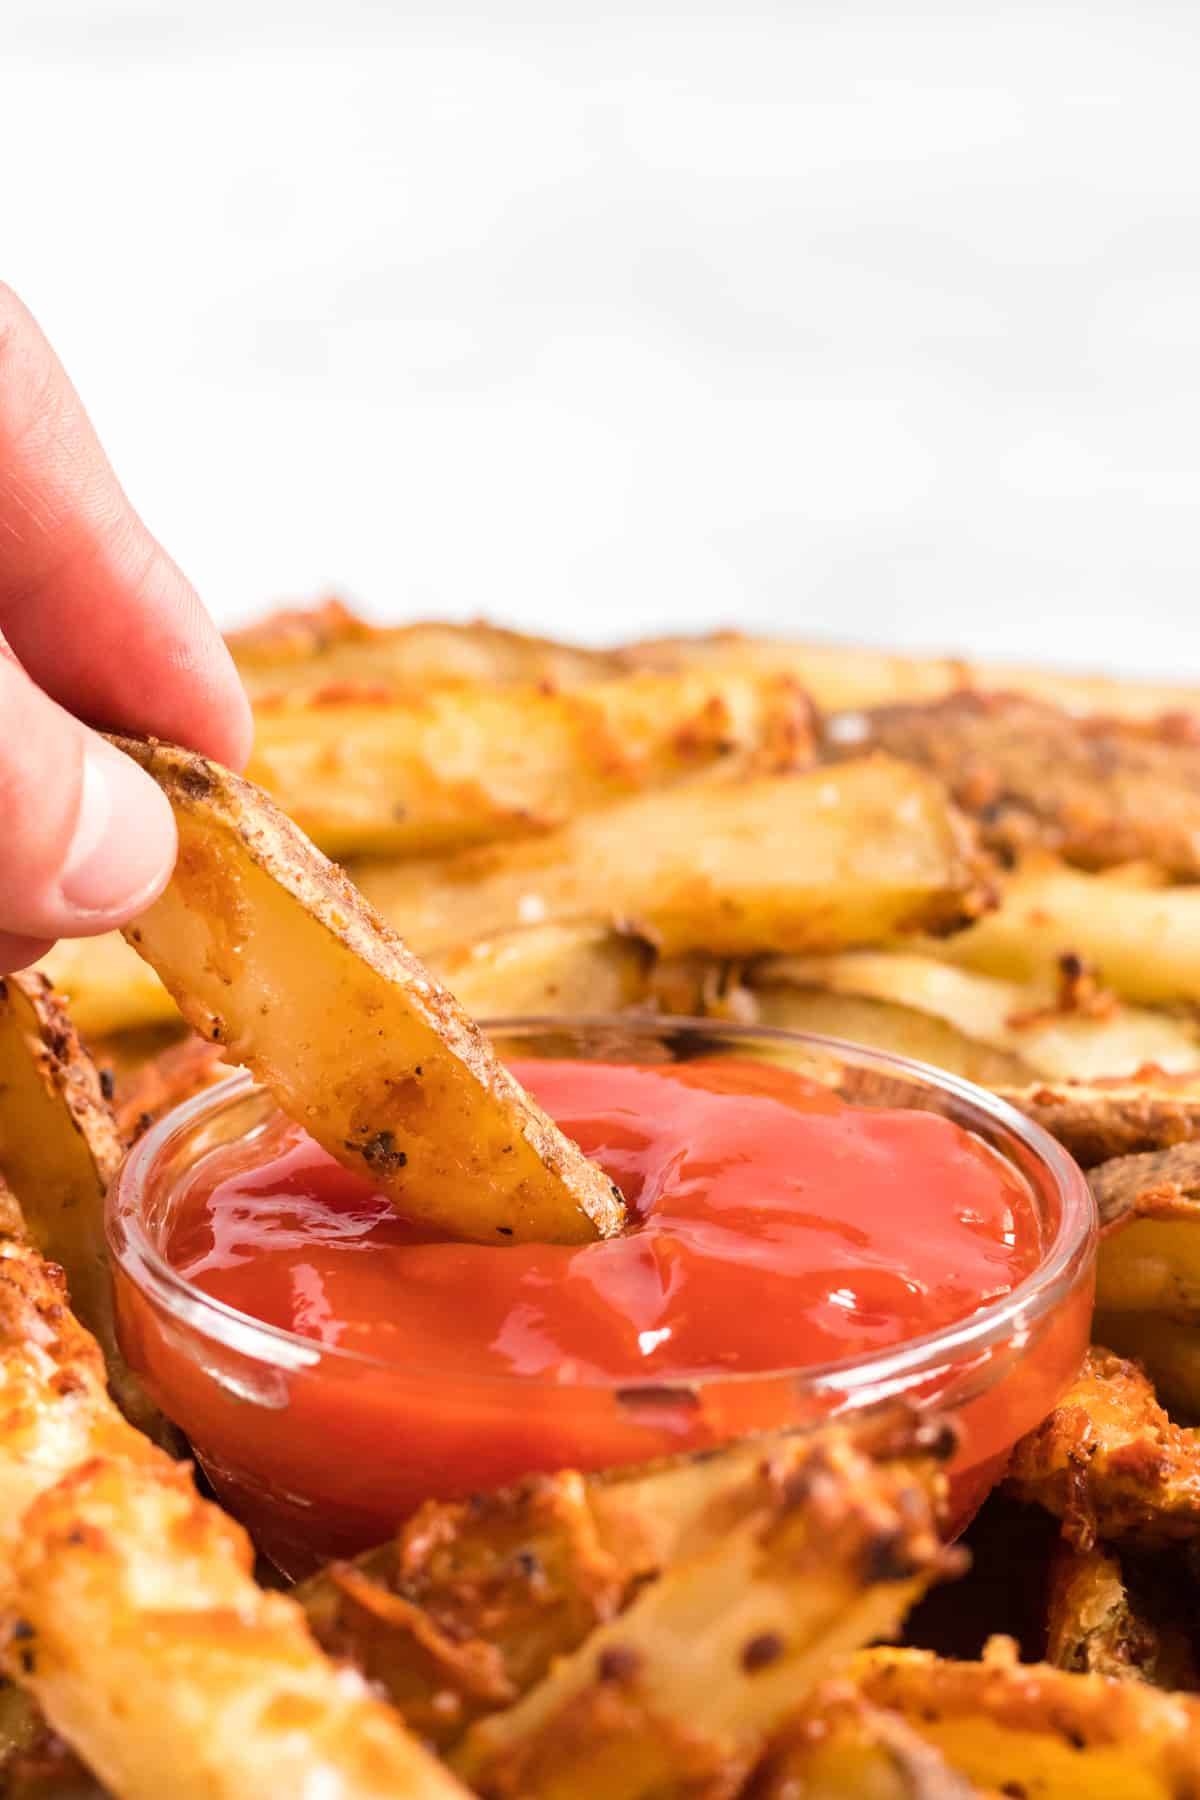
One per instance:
(871, 321)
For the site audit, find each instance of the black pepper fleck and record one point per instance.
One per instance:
(762, 1651)
(379, 1152)
(617, 1663)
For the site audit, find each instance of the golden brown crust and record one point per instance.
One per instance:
(1097, 1123)
(127, 1604)
(1094, 791)
(271, 951)
(468, 1606)
(1109, 1462)
(1151, 1184)
(59, 1149)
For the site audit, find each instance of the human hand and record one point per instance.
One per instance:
(98, 625)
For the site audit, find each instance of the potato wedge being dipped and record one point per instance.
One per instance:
(270, 951)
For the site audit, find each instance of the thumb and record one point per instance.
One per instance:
(87, 840)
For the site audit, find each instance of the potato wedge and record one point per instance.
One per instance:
(270, 951)
(1113, 1119)
(1023, 1728)
(548, 969)
(880, 1025)
(692, 1678)
(59, 1149)
(1022, 1022)
(1100, 1621)
(128, 1609)
(107, 985)
(305, 650)
(163, 1080)
(471, 1603)
(1168, 1349)
(434, 771)
(816, 860)
(841, 676)
(1099, 792)
(1142, 939)
(839, 1747)
(1110, 1463)
(1149, 1257)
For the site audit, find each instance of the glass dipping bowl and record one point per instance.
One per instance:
(254, 1399)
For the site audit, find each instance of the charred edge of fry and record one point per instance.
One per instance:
(1109, 1462)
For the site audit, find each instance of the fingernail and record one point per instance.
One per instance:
(123, 848)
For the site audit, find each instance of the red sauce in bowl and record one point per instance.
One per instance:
(773, 1228)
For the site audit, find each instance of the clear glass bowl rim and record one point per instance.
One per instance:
(1064, 1263)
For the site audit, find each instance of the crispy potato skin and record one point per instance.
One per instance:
(271, 952)
(1137, 1185)
(127, 1604)
(467, 1608)
(1094, 791)
(1099, 1122)
(1109, 1462)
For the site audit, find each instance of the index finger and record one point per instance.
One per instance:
(90, 602)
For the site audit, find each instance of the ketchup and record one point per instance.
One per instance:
(772, 1228)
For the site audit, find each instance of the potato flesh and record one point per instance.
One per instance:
(107, 985)
(1021, 1022)
(816, 860)
(1142, 939)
